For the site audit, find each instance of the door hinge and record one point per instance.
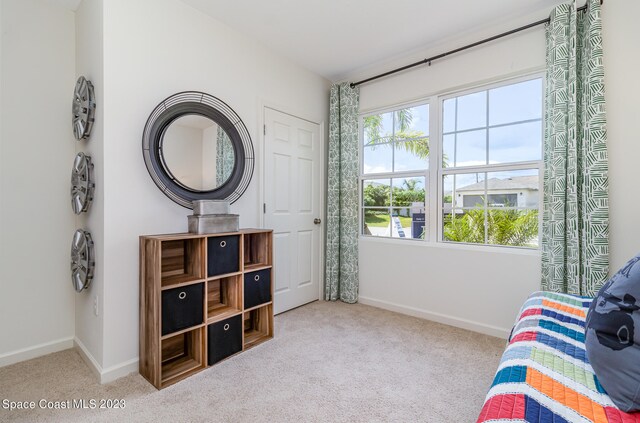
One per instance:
(264, 129)
(264, 208)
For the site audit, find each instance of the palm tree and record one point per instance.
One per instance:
(504, 227)
(410, 184)
(416, 143)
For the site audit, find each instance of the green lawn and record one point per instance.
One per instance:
(382, 220)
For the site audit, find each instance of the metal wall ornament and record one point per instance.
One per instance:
(83, 108)
(82, 185)
(82, 260)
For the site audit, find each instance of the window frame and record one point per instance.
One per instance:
(393, 175)
(434, 174)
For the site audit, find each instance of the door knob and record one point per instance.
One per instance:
(317, 221)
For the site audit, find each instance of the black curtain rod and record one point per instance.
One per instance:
(459, 49)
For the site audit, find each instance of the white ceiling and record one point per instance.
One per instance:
(335, 37)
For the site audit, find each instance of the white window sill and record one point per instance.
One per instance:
(452, 246)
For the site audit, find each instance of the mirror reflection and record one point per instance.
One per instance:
(198, 152)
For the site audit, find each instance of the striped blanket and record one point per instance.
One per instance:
(544, 375)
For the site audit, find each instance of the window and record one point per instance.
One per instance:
(395, 159)
(486, 172)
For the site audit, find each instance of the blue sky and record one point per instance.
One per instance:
(513, 142)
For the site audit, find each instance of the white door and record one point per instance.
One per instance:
(292, 197)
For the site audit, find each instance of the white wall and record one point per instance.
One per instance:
(36, 153)
(482, 288)
(89, 62)
(152, 49)
(621, 38)
(452, 284)
(183, 148)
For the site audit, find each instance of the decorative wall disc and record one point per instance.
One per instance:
(83, 109)
(82, 260)
(82, 184)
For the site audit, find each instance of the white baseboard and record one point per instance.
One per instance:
(87, 357)
(119, 370)
(438, 317)
(110, 373)
(35, 351)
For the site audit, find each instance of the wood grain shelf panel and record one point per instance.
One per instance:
(226, 275)
(182, 353)
(228, 312)
(258, 325)
(256, 267)
(258, 306)
(181, 261)
(179, 281)
(257, 250)
(224, 297)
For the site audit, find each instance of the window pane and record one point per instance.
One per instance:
(513, 227)
(377, 128)
(464, 185)
(401, 223)
(515, 143)
(502, 200)
(464, 226)
(447, 193)
(449, 115)
(412, 122)
(471, 148)
(376, 222)
(516, 102)
(448, 150)
(472, 111)
(407, 191)
(473, 200)
(376, 193)
(377, 158)
(520, 187)
(411, 155)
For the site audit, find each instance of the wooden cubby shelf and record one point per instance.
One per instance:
(258, 326)
(203, 298)
(182, 354)
(257, 251)
(181, 261)
(224, 298)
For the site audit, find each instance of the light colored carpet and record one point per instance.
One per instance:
(328, 362)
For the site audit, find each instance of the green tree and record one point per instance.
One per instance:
(504, 227)
(416, 141)
(376, 195)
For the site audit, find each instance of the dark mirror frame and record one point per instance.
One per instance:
(197, 103)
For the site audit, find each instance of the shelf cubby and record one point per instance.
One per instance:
(257, 250)
(224, 297)
(258, 326)
(182, 354)
(181, 261)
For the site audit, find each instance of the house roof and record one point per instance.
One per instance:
(515, 183)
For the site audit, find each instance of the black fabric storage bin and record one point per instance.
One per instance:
(257, 288)
(225, 339)
(223, 255)
(182, 307)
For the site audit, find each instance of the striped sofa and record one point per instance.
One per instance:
(544, 374)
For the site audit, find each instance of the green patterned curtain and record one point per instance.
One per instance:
(575, 219)
(342, 202)
(225, 157)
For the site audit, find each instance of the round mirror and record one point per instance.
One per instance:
(198, 153)
(196, 147)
